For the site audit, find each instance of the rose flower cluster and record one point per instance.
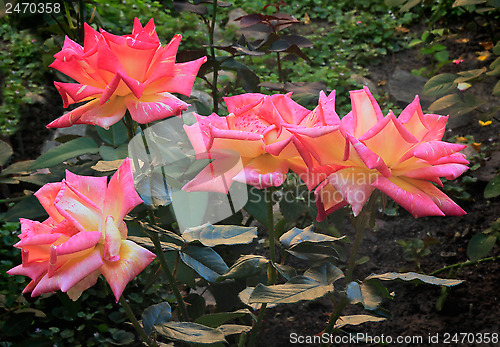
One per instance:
(343, 160)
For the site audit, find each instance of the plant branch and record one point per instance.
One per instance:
(170, 277)
(211, 34)
(135, 322)
(465, 263)
(271, 270)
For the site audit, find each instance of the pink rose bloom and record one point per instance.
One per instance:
(401, 156)
(84, 236)
(119, 73)
(254, 133)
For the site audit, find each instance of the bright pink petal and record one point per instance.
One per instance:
(218, 175)
(164, 64)
(112, 241)
(91, 37)
(181, 82)
(78, 208)
(311, 176)
(130, 51)
(444, 203)
(72, 63)
(248, 121)
(365, 111)
(354, 185)
(121, 197)
(264, 171)
(68, 276)
(197, 138)
(91, 113)
(74, 92)
(413, 119)
(433, 150)
(328, 200)
(289, 111)
(437, 126)
(243, 102)
(47, 195)
(376, 139)
(323, 114)
(406, 193)
(76, 291)
(154, 107)
(431, 173)
(248, 144)
(79, 242)
(327, 146)
(32, 270)
(369, 158)
(133, 259)
(91, 187)
(455, 158)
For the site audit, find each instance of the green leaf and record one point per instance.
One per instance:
(467, 2)
(216, 319)
(324, 273)
(121, 337)
(184, 273)
(297, 289)
(286, 271)
(496, 49)
(440, 84)
(21, 168)
(246, 266)
(480, 245)
(296, 236)
(492, 190)
(445, 102)
(29, 208)
(356, 319)
(314, 251)
(365, 294)
(470, 74)
(256, 204)
(156, 314)
(190, 333)
(110, 154)
(496, 88)
(205, 261)
(215, 235)
(196, 305)
(415, 278)
(232, 329)
(442, 56)
(393, 3)
(116, 134)
(409, 5)
(147, 243)
(495, 67)
(68, 150)
(5, 152)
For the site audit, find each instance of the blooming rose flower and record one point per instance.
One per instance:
(119, 73)
(254, 132)
(84, 236)
(399, 156)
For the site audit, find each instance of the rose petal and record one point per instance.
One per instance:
(133, 259)
(154, 107)
(121, 196)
